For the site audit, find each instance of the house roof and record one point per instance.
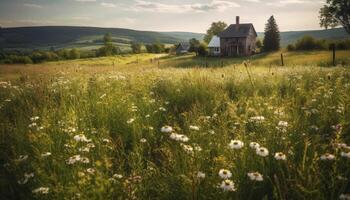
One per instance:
(231, 31)
(183, 46)
(214, 42)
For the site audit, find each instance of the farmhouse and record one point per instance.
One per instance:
(238, 39)
(182, 48)
(214, 46)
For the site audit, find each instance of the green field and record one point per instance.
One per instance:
(154, 126)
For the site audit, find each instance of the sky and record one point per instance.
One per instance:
(160, 15)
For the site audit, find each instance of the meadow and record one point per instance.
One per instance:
(177, 127)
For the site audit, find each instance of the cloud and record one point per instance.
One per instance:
(254, 1)
(81, 18)
(31, 5)
(108, 5)
(282, 3)
(217, 5)
(292, 1)
(83, 1)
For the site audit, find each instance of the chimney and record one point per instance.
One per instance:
(237, 23)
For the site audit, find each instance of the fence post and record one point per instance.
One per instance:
(333, 48)
(282, 62)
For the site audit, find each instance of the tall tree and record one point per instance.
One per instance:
(272, 36)
(109, 48)
(215, 28)
(107, 39)
(194, 45)
(136, 47)
(335, 12)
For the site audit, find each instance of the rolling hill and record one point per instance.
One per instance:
(46, 37)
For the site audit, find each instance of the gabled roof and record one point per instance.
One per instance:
(184, 46)
(231, 31)
(214, 42)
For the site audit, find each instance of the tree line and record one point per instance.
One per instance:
(108, 49)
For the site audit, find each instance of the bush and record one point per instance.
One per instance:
(310, 43)
(202, 49)
(343, 44)
(136, 47)
(74, 54)
(291, 47)
(14, 59)
(108, 50)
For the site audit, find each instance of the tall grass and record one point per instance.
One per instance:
(113, 119)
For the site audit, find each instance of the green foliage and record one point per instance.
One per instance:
(194, 45)
(155, 48)
(335, 12)
(203, 49)
(271, 40)
(326, 18)
(108, 50)
(107, 39)
(215, 29)
(309, 43)
(14, 59)
(136, 47)
(258, 43)
(290, 47)
(74, 54)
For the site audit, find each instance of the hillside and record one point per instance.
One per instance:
(63, 36)
(46, 37)
(290, 37)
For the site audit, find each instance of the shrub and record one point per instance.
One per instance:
(74, 54)
(291, 47)
(343, 44)
(202, 49)
(310, 43)
(108, 50)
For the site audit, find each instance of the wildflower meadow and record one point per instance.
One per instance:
(158, 131)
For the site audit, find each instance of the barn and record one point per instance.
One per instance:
(238, 39)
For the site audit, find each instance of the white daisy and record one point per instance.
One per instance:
(345, 155)
(255, 176)
(81, 138)
(327, 156)
(166, 129)
(254, 145)
(117, 176)
(262, 151)
(283, 123)
(257, 119)
(143, 140)
(41, 190)
(236, 144)
(91, 170)
(194, 128)
(200, 175)
(225, 174)
(280, 156)
(228, 185)
(46, 154)
(130, 121)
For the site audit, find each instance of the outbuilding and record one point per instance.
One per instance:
(214, 46)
